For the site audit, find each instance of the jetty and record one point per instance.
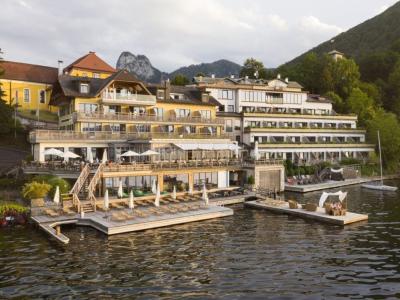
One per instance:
(282, 207)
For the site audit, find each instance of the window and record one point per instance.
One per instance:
(42, 96)
(226, 94)
(159, 111)
(137, 110)
(87, 107)
(84, 88)
(96, 75)
(27, 95)
(228, 126)
(91, 127)
(230, 108)
(182, 113)
(205, 114)
(160, 94)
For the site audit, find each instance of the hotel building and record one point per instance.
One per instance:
(277, 119)
(112, 112)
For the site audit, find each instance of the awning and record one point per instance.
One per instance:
(195, 146)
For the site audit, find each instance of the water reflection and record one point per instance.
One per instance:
(252, 255)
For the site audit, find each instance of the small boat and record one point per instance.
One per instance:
(379, 186)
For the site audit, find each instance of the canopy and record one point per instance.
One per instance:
(205, 196)
(174, 193)
(130, 153)
(106, 201)
(70, 154)
(120, 191)
(131, 200)
(90, 155)
(196, 146)
(158, 196)
(53, 151)
(337, 171)
(149, 153)
(325, 195)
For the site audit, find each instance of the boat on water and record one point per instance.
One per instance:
(379, 185)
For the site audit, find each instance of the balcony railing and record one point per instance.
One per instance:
(145, 118)
(151, 166)
(111, 97)
(61, 135)
(305, 128)
(333, 115)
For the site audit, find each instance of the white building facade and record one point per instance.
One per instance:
(284, 121)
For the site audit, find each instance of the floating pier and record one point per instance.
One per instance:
(332, 184)
(104, 223)
(319, 215)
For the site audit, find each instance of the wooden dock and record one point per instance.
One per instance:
(318, 215)
(102, 221)
(306, 188)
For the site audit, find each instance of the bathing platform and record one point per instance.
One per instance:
(319, 215)
(306, 188)
(103, 221)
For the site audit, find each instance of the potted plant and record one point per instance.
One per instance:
(36, 191)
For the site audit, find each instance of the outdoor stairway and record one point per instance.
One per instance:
(86, 206)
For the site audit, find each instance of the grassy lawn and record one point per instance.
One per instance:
(44, 115)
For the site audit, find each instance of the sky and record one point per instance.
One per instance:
(175, 33)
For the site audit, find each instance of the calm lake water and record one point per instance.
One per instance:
(252, 255)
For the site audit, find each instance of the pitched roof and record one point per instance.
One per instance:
(91, 62)
(28, 72)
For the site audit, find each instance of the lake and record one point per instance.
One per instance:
(252, 255)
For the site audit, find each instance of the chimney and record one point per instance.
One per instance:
(287, 79)
(205, 97)
(212, 75)
(60, 67)
(278, 76)
(167, 88)
(232, 76)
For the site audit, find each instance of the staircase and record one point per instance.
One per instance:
(91, 188)
(86, 206)
(72, 196)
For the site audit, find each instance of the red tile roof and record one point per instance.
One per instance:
(28, 72)
(91, 62)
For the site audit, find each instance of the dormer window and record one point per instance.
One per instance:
(204, 97)
(84, 88)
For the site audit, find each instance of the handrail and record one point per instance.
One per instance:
(92, 185)
(76, 202)
(81, 180)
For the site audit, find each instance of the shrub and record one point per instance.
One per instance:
(54, 181)
(250, 180)
(35, 190)
(12, 208)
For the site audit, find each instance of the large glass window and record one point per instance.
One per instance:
(180, 181)
(226, 94)
(228, 126)
(182, 113)
(205, 114)
(27, 95)
(91, 127)
(210, 179)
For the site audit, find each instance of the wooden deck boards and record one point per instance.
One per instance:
(318, 215)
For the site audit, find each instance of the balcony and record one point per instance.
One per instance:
(317, 144)
(38, 136)
(303, 115)
(110, 97)
(144, 118)
(303, 129)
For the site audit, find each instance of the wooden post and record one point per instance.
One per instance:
(58, 230)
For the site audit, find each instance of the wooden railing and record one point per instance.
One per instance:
(76, 202)
(92, 185)
(81, 180)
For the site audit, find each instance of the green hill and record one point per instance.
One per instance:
(374, 35)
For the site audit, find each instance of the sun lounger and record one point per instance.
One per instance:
(68, 211)
(141, 214)
(116, 217)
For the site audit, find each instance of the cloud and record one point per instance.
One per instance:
(170, 33)
(313, 24)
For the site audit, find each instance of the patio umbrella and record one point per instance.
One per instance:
(90, 156)
(174, 193)
(256, 152)
(130, 153)
(120, 192)
(149, 153)
(205, 196)
(153, 186)
(106, 201)
(69, 154)
(104, 158)
(158, 196)
(53, 151)
(131, 200)
(56, 198)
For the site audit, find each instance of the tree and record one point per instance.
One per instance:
(200, 74)
(337, 101)
(362, 105)
(253, 69)
(6, 111)
(393, 90)
(389, 131)
(180, 80)
(346, 75)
